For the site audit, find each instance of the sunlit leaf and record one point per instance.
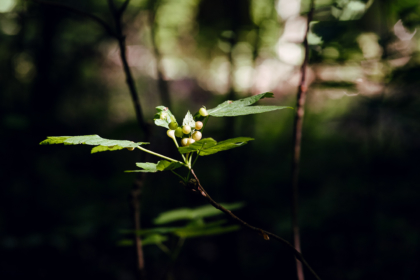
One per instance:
(166, 165)
(163, 117)
(188, 120)
(241, 107)
(94, 140)
(154, 167)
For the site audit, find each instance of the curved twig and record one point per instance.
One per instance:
(264, 233)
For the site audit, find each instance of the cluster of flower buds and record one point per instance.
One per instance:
(188, 134)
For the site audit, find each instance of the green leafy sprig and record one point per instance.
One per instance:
(191, 133)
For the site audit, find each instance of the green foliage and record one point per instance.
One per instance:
(209, 146)
(101, 144)
(155, 167)
(163, 117)
(188, 120)
(205, 229)
(241, 107)
(195, 227)
(191, 214)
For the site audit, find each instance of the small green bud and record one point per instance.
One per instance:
(173, 125)
(184, 142)
(186, 129)
(178, 132)
(197, 135)
(203, 112)
(198, 125)
(130, 148)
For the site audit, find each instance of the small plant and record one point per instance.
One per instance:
(191, 145)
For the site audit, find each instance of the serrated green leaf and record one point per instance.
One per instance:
(166, 165)
(198, 145)
(190, 214)
(147, 167)
(54, 140)
(241, 107)
(94, 140)
(154, 239)
(188, 120)
(225, 145)
(163, 117)
(198, 232)
(98, 149)
(162, 165)
(242, 111)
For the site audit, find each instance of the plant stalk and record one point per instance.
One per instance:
(297, 140)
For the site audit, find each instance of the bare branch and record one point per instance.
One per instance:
(297, 139)
(264, 233)
(95, 18)
(129, 76)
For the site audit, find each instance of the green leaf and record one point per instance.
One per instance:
(198, 145)
(209, 146)
(163, 117)
(94, 140)
(197, 232)
(241, 107)
(191, 214)
(154, 239)
(54, 140)
(167, 165)
(225, 145)
(162, 165)
(188, 120)
(147, 167)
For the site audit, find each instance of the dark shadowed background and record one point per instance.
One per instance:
(62, 210)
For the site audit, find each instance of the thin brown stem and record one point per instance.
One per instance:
(138, 185)
(135, 204)
(117, 16)
(297, 139)
(266, 235)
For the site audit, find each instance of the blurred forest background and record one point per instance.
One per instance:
(63, 210)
